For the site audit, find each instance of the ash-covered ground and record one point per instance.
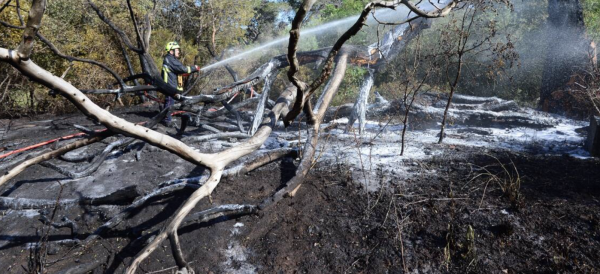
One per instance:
(510, 190)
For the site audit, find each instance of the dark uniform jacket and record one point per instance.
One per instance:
(172, 70)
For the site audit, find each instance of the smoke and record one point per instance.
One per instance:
(549, 44)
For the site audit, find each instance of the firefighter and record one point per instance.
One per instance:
(172, 73)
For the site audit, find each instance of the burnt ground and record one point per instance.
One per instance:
(461, 212)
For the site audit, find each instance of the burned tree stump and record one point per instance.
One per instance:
(593, 139)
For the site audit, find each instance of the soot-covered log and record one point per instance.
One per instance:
(119, 197)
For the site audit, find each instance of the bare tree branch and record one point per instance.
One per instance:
(36, 12)
(120, 32)
(295, 65)
(89, 61)
(18, 10)
(139, 37)
(10, 25)
(4, 4)
(312, 138)
(56, 51)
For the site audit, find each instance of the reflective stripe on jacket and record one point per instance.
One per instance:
(172, 68)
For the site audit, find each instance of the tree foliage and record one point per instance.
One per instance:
(591, 12)
(198, 25)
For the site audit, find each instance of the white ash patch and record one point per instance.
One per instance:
(77, 153)
(376, 152)
(168, 174)
(236, 229)
(235, 263)
(95, 190)
(275, 142)
(27, 213)
(236, 255)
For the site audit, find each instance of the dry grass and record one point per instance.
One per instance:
(507, 179)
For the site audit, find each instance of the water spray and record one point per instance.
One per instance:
(387, 15)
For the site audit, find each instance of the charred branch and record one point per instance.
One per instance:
(236, 106)
(124, 214)
(6, 24)
(125, 89)
(233, 109)
(52, 154)
(234, 76)
(85, 129)
(119, 197)
(222, 211)
(92, 167)
(65, 222)
(18, 9)
(264, 99)
(128, 63)
(189, 119)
